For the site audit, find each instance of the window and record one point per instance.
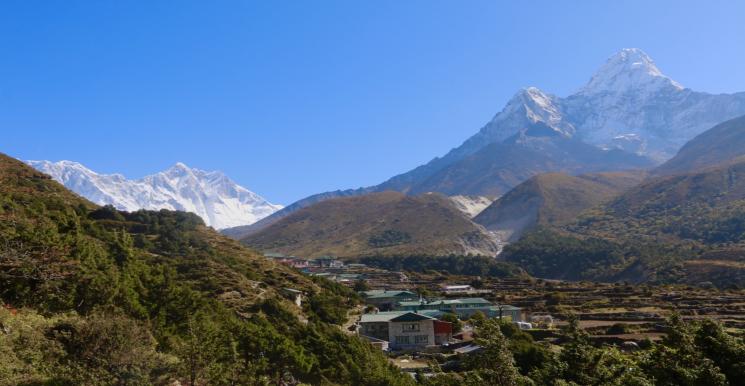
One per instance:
(402, 339)
(419, 339)
(410, 327)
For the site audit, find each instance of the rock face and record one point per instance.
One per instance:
(471, 205)
(219, 201)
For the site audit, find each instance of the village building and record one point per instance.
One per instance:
(464, 308)
(457, 289)
(405, 330)
(462, 289)
(325, 275)
(274, 255)
(292, 261)
(296, 262)
(385, 300)
(295, 295)
(348, 277)
(327, 262)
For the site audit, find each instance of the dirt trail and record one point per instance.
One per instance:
(352, 317)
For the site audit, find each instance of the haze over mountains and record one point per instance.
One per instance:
(723, 143)
(219, 201)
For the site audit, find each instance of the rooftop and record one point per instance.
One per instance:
(388, 316)
(274, 255)
(450, 301)
(411, 317)
(372, 294)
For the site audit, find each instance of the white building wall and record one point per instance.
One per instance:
(426, 328)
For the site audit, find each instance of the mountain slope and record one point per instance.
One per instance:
(243, 231)
(628, 104)
(685, 227)
(471, 205)
(499, 167)
(552, 199)
(723, 143)
(219, 201)
(387, 223)
(98, 296)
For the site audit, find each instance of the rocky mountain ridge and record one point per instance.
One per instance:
(218, 200)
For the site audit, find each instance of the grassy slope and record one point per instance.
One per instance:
(651, 232)
(123, 297)
(387, 223)
(553, 199)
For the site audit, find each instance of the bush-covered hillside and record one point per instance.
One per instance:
(91, 295)
(687, 227)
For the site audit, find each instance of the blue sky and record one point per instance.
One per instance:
(294, 98)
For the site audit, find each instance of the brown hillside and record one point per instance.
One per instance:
(683, 228)
(721, 144)
(387, 223)
(552, 199)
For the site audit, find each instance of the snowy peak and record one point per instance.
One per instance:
(212, 195)
(631, 69)
(538, 108)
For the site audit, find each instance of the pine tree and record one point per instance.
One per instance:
(494, 364)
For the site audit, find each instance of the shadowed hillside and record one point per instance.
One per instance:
(723, 143)
(498, 167)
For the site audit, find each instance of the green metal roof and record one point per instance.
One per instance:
(505, 307)
(274, 254)
(378, 294)
(411, 317)
(388, 316)
(411, 303)
(473, 300)
(381, 316)
(459, 301)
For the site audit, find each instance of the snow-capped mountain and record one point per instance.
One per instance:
(219, 201)
(628, 98)
(628, 104)
(629, 71)
(628, 108)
